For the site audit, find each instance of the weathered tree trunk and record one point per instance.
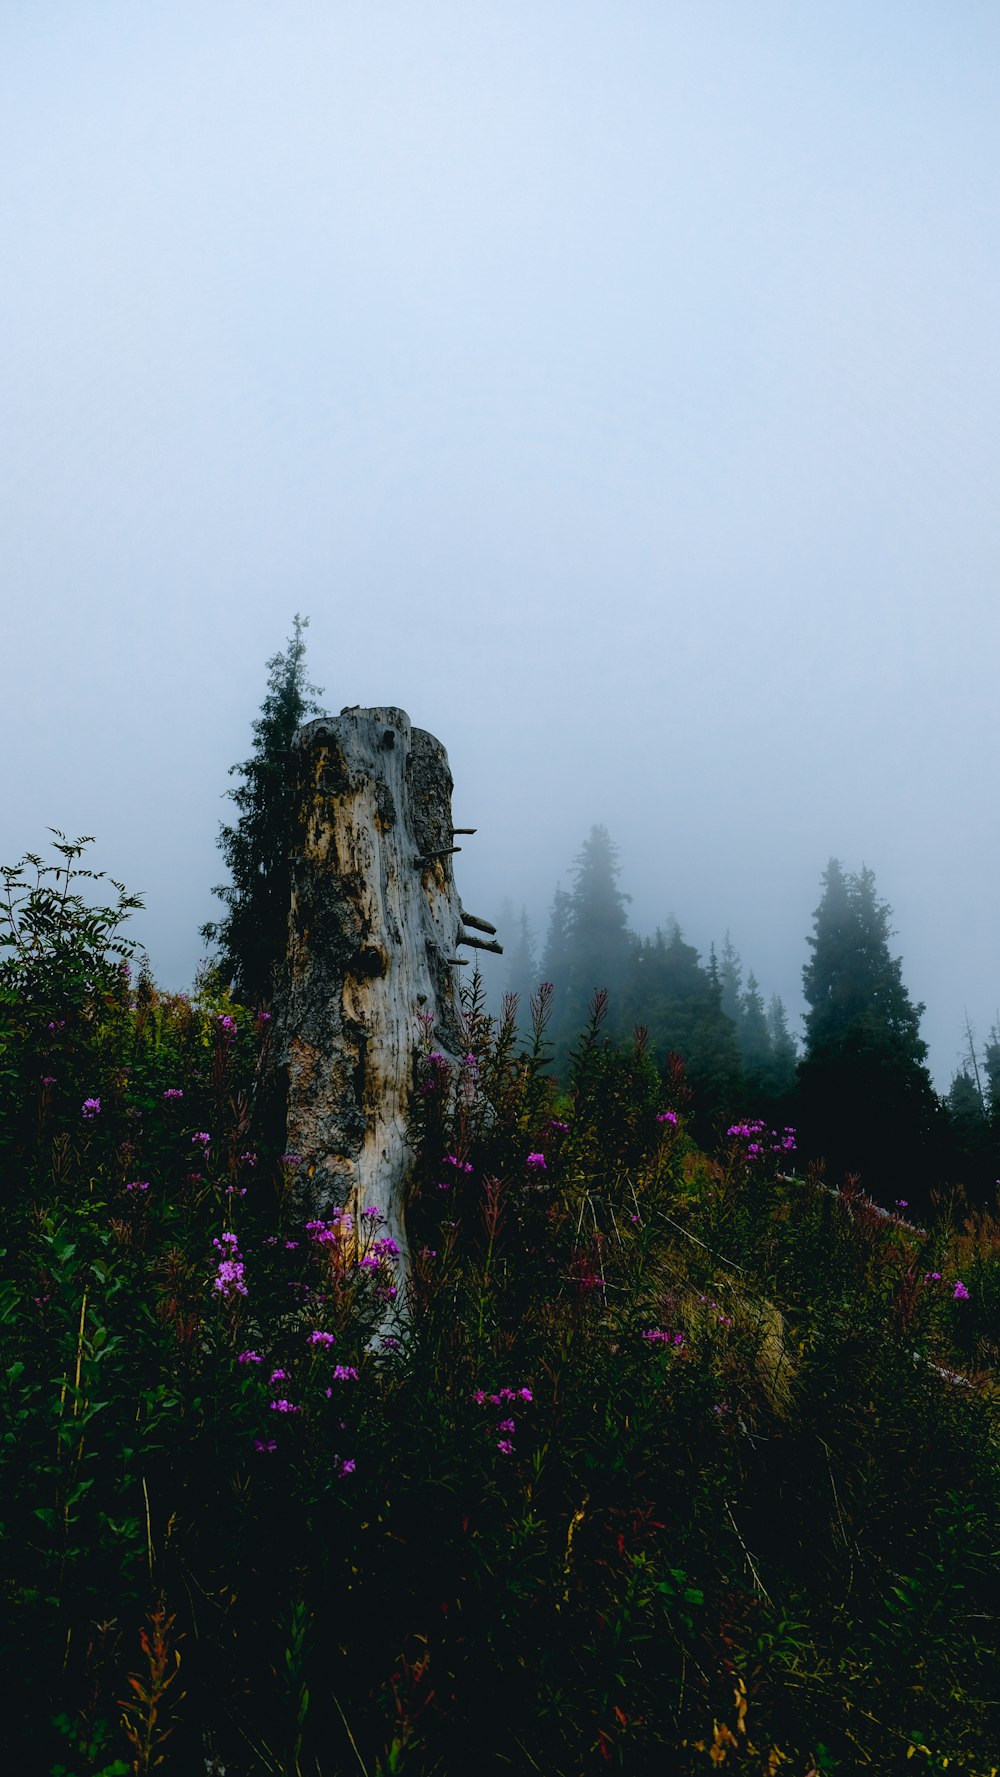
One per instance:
(374, 926)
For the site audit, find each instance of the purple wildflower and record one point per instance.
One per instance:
(537, 1161)
(91, 1108)
(249, 1357)
(229, 1279)
(960, 1293)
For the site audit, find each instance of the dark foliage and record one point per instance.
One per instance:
(657, 1460)
(251, 936)
(866, 1093)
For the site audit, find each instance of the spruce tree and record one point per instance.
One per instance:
(252, 934)
(681, 1004)
(730, 979)
(784, 1053)
(522, 974)
(597, 939)
(754, 1034)
(555, 957)
(868, 1102)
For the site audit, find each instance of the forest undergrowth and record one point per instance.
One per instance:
(657, 1459)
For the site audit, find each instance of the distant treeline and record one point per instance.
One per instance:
(859, 1092)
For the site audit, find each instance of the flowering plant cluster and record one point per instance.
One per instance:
(552, 1465)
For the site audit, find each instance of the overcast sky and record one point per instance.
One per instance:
(617, 388)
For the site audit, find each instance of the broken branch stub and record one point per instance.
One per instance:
(374, 923)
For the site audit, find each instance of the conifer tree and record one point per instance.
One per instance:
(867, 1096)
(555, 957)
(754, 1033)
(681, 1004)
(251, 936)
(522, 974)
(784, 1053)
(991, 1068)
(597, 936)
(730, 979)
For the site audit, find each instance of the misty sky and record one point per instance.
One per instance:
(617, 388)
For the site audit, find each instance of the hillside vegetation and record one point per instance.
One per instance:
(663, 1457)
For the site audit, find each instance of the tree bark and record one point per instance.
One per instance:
(374, 923)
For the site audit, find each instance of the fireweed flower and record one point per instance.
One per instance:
(537, 1161)
(344, 1373)
(279, 1376)
(283, 1406)
(249, 1357)
(226, 1024)
(960, 1293)
(203, 1137)
(138, 1185)
(48, 1079)
(667, 1117)
(90, 1108)
(229, 1279)
(174, 1092)
(372, 1213)
(505, 1446)
(265, 1444)
(291, 1160)
(320, 1338)
(453, 1160)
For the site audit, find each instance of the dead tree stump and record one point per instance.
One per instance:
(374, 926)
